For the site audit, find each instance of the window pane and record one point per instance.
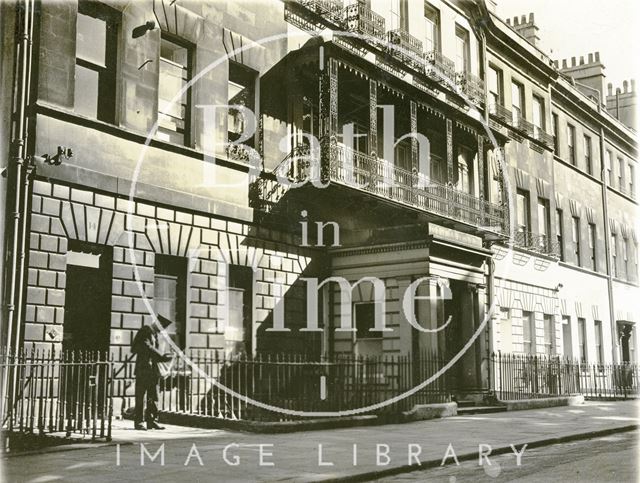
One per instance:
(543, 217)
(515, 95)
(549, 334)
(365, 320)
(174, 75)
(86, 92)
(91, 35)
(537, 112)
(581, 339)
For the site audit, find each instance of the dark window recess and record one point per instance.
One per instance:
(241, 91)
(575, 231)
(175, 73)
(87, 309)
(556, 134)
(560, 233)
(96, 56)
(571, 144)
(170, 296)
(239, 330)
(592, 246)
(365, 320)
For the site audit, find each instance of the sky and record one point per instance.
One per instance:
(578, 27)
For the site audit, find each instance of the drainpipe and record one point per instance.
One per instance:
(30, 170)
(23, 72)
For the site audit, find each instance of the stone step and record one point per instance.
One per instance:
(466, 410)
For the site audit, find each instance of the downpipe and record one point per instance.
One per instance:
(23, 56)
(29, 168)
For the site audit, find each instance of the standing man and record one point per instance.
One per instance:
(145, 346)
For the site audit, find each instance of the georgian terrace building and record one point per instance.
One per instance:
(116, 229)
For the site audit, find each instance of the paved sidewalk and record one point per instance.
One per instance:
(295, 456)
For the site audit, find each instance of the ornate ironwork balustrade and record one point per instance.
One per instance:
(329, 9)
(472, 86)
(384, 179)
(500, 112)
(405, 47)
(439, 66)
(541, 244)
(359, 18)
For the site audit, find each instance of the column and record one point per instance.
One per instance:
(450, 176)
(328, 112)
(502, 165)
(413, 108)
(481, 167)
(373, 117)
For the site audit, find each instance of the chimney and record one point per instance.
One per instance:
(590, 73)
(527, 28)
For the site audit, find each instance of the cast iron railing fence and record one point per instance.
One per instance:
(208, 384)
(57, 391)
(521, 376)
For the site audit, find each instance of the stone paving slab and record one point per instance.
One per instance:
(234, 456)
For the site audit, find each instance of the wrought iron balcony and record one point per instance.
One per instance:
(382, 178)
(471, 85)
(405, 47)
(543, 137)
(501, 113)
(522, 125)
(361, 19)
(540, 244)
(329, 9)
(439, 66)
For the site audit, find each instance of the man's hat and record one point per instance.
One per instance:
(164, 322)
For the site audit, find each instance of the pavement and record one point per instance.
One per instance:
(380, 451)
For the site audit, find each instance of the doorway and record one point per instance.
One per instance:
(87, 309)
(238, 332)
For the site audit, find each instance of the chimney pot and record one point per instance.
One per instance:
(555, 64)
(597, 56)
(591, 58)
(573, 61)
(508, 21)
(523, 19)
(564, 63)
(609, 89)
(581, 59)
(633, 85)
(516, 21)
(625, 86)
(531, 17)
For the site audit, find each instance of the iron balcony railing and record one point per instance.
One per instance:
(361, 19)
(380, 177)
(329, 9)
(386, 180)
(405, 47)
(521, 124)
(439, 66)
(543, 137)
(471, 85)
(501, 113)
(541, 244)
